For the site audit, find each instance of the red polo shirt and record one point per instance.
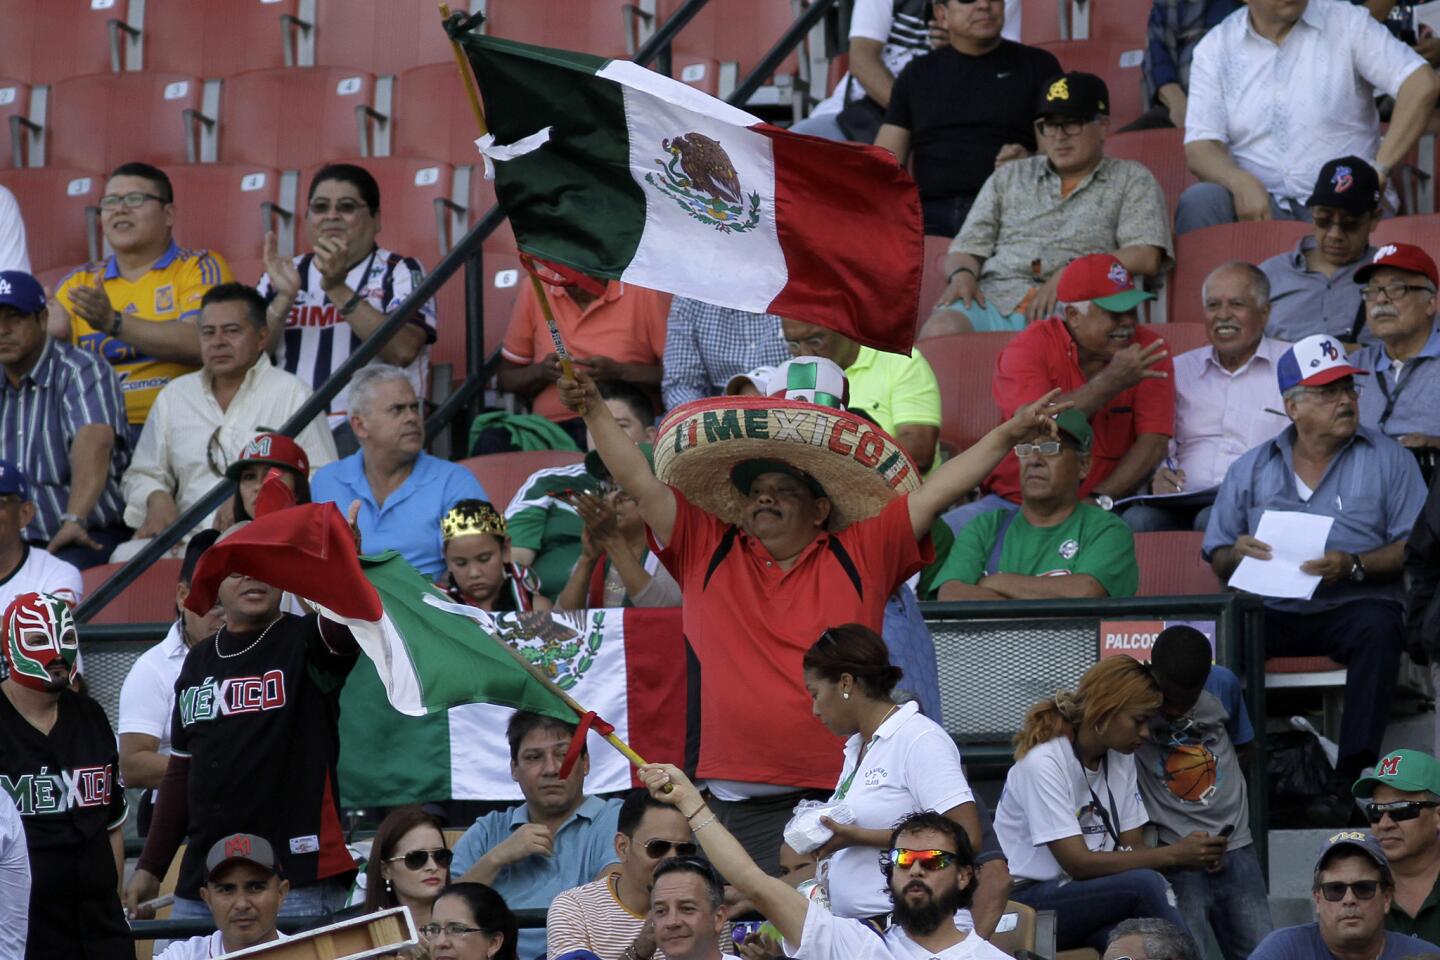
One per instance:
(1042, 357)
(752, 622)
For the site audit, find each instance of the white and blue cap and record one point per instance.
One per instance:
(23, 292)
(12, 480)
(1314, 362)
(813, 380)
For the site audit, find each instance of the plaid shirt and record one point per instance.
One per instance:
(1176, 26)
(706, 345)
(68, 389)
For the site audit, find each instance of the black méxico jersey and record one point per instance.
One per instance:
(66, 785)
(259, 721)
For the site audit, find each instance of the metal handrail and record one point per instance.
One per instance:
(788, 41)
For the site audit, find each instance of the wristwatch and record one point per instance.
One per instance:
(116, 318)
(1104, 501)
(74, 518)
(1357, 569)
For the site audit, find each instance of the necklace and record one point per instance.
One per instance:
(253, 643)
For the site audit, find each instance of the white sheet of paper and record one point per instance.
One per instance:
(1293, 538)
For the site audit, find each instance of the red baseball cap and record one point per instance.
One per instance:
(273, 449)
(1103, 280)
(1401, 256)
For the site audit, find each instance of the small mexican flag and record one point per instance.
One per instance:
(619, 172)
(423, 715)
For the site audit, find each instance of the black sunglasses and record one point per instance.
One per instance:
(1399, 810)
(1334, 891)
(655, 849)
(415, 859)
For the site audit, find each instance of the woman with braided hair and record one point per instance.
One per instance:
(478, 569)
(1070, 818)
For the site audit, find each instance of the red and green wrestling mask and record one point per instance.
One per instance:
(39, 632)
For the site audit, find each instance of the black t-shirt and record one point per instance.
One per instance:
(261, 727)
(66, 785)
(961, 109)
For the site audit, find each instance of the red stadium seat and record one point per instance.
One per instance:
(1422, 230)
(432, 118)
(1301, 665)
(216, 38)
(501, 474)
(62, 214)
(14, 102)
(1116, 62)
(293, 118)
(449, 346)
(46, 42)
(482, 198)
(1122, 21)
(1163, 154)
(738, 31)
(409, 190)
(388, 36)
(247, 270)
(932, 279)
(1040, 21)
(1171, 565)
(224, 206)
(597, 27)
(964, 363)
(101, 121)
(149, 599)
(1181, 337)
(1200, 251)
(503, 277)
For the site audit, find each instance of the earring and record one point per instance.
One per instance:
(389, 887)
(845, 695)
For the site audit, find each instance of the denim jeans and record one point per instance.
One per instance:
(1145, 518)
(1086, 910)
(1231, 901)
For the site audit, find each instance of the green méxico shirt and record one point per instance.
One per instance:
(1090, 541)
(1425, 925)
(540, 522)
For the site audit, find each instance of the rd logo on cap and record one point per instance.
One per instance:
(1059, 90)
(237, 847)
(1342, 179)
(1389, 250)
(1389, 767)
(1119, 275)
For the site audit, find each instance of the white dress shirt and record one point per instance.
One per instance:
(1219, 415)
(187, 430)
(1283, 111)
(147, 697)
(14, 881)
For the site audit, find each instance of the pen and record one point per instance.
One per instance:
(1174, 467)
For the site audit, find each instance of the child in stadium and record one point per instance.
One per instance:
(478, 570)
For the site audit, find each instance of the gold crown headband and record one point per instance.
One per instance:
(465, 519)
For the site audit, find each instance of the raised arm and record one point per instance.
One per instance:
(1413, 106)
(781, 903)
(621, 456)
(962, 473)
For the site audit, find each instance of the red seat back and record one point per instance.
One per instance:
(150, 598)
(49, 41)
(1181, 337)
(100, 121)
(292, 118)
(502, 474)
(1162, 152)
(1422, 230)
(1171, 565)
(54, 202)
(216, 38)
(1040, 21)
(220, 206)
(408, 191)
(1115, 62)
(964, 364)
(1200, 251)
(432, 118)
(14, 102)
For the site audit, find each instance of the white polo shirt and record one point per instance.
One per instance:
(200, 948)
(1049, 795)
(41, 572)
(828, 937)
(147, 697)
(911, 765)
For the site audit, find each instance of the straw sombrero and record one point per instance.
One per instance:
(861, 467)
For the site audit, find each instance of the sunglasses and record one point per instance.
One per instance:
(345, 207)
(416, 859)
(1334, 891)
(1399, 810)
(655, 849)
(929, 860)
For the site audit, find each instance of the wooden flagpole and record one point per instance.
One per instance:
(567, 367)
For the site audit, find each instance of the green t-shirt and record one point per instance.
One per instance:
(1090, 541)
(551, 527)
(1425, 924)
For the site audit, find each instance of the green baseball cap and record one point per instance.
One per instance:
(1073, 422)
(1410, 771)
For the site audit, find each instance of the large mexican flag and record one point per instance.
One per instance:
(619, 172)
(423, 713)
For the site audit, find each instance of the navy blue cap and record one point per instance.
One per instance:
(12, 480)
(20, 290)
(1356, 841)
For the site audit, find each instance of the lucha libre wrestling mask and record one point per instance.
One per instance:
(39, 629)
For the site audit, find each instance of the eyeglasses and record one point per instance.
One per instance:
(131, 201)
(432, 930)
(1334, 891)
(215, 454)
(1334, 391)
(1346, 224)
(655, 849)
(1393, 291)
(345, 206)
(11, 500)
(929, 860)
(1049, 128)
(1046, 448)
(1399, 810)
(416, 859)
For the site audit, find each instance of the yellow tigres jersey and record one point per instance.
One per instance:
(171, 290)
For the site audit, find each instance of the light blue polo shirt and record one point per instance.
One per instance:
(1407, 403)
(1372, 488)
(409, 522)
(583, 844)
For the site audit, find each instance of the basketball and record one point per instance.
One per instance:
(1190, 772)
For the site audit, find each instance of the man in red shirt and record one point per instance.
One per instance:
(779, 519)
(1117, 373)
